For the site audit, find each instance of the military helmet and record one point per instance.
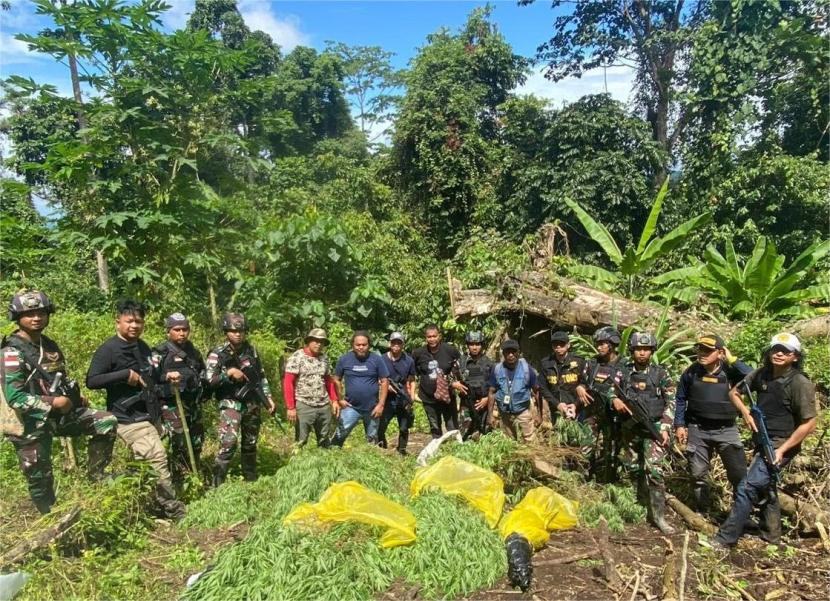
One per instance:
(607, 334)
(642, 339)
(234, 321)
(29, 300)
(474, 337)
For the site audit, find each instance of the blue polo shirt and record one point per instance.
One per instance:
(361, 377)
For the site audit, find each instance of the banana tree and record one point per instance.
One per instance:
(760, 285)
(634, 262)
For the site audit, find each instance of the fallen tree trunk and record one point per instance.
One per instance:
(42, 539)
(807, 513)
(815, 327)
(694, 520)
(567, 302)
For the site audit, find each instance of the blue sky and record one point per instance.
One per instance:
(396, 25)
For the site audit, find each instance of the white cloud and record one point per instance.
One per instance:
(617, 81)
(15, 52)
(285, 31)
(178, 14)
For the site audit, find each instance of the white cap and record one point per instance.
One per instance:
(788, 341)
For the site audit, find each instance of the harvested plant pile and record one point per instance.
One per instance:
(455, 552)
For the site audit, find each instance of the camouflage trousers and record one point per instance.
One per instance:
(644, 459)
(233, 425)
(35, 454)
(171, 425)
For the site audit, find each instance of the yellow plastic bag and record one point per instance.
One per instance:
(481, 488)
(351, 501)
(541, 511)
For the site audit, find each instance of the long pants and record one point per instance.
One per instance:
(143, 440)
(313, 418)
(349, 418)
(642, 456)
(515, 425)
(234, 425)
(753, 489)
(478, 418)
(35, 456)
(438, 412)
(703, 442)
(398, 407)
(171, 423)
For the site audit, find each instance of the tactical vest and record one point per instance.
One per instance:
(646, 386)
(708, 396)
(774, 400)
(602, 376)
(518, 388)
(241, 360)
(474, 372)
(176, 358)
(563, 378)
(51, 362)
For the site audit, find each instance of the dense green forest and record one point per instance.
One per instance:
(206, 169)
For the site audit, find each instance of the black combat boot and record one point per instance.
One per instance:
(657, 504)
(171, 507)
(99, 453)
(248, 462)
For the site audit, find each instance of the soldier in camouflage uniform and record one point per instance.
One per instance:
(645, 457)
(180, 364)
(598, 416)
(31, 362)
(235, 371)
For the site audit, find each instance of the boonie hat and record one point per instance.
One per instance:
(317, 334)
(710, 341)
(788, 341)
(510, 345)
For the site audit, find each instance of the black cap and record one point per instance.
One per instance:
(509, 345)
(560, 336)
(712, 341)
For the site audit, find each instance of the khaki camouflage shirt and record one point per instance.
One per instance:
(310, 385)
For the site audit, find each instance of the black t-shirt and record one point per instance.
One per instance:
(427, 365)
(110, 370)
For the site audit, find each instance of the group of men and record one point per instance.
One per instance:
(629, 404)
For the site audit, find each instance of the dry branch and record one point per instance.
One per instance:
(42, 539)
(807, 513)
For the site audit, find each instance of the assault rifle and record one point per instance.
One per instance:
(761, 438)
(253, 386)
(640, 413)
(68, 388)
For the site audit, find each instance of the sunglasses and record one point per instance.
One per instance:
(782, 350)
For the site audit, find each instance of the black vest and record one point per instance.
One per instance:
(184, 360)
(563, 378)
(602, 375)
(51, 362)
(774, 400)
(242, 360)
(708, 396)
(646, 386)
(475, 372)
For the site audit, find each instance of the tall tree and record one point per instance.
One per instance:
(653, 36)
(447, 129)
(370, 82)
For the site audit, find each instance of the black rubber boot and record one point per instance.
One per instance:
(700, 492)
(770, 522)
(403, 440)
(171, 507)
(220, 472)
(248, 461)
(99, 453)
(657, 504)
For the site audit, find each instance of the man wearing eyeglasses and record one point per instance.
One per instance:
(788, 401)
(705, 417)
